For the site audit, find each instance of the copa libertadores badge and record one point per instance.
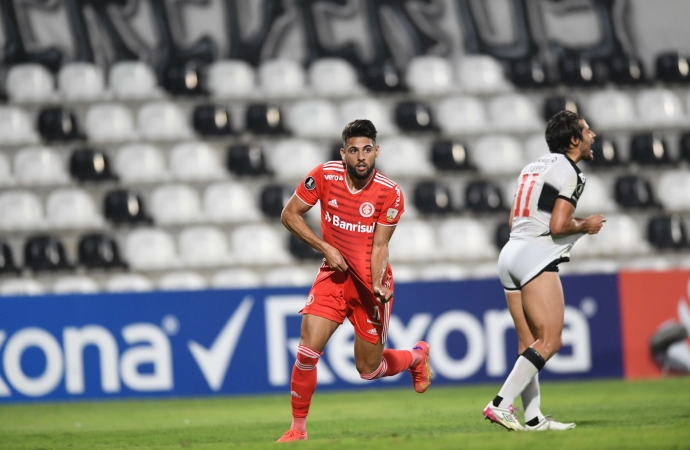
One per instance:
(309, 183)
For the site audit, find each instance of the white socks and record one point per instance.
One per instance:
(531, 400)
(523, 372)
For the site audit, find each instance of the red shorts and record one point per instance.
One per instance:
(336, 295)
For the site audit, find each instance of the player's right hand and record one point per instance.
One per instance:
(335, 259)
(594, 223)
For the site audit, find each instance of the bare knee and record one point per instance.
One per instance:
(367, 367)
(551, 346)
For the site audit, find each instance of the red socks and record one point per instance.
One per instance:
(392, 363)
(303, 383)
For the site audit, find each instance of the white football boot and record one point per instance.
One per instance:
(506, 417)
(547, 423)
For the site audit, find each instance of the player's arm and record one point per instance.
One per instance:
(564, 222)
(293, 221)
(379, 262)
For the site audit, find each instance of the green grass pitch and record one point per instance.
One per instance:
(610, 414)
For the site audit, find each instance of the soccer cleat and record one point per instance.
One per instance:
(505, 417)
(293, 435)
(547, 423)
(421, 373)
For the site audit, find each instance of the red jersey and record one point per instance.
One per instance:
(348, 219)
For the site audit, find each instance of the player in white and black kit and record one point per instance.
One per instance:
(543, 230)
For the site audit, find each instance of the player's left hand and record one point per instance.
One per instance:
(383, 294)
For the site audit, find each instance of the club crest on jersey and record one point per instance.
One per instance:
(310, 300)
(391, 214)
(309, 183)
(366, 209)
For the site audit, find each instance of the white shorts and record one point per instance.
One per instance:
(522, 260)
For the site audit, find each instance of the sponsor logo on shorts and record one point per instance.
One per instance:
(366, 209)
(358, 227)
(373, 323)
(373, 332)
(310, 299)
(391, 214)
(309, 183)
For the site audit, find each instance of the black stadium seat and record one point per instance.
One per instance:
(45, 253)
(483, 196)
(649, 148)
(58, 124)
(273, 200)
(7, 264)
(185, 78)
(431, 197)
(89, 164)
(414, 116)
(301, 250)
(265, 119)
(667, 232)
(685, 147)
(450, 155)
(605, 153)
(553, 105)
(99, 251)
(633, 191)
(212, 120)
(673, 67)
(124, 206)
(246, 160)
(502, 235)
(334, 155)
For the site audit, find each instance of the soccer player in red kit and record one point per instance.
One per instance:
(360, 208)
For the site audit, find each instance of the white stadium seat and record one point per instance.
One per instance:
(446, 271)
(498, 155)
(457, 115)
(6, 177)
(403, 156)
(259, 244)
(163, 121)
(30, 83)
(429, 75)
(133, 80)
(660, 107)
(465, 239)
(514, 113)
(72, 208)
(128, 282)
(203, 246)
(231, 79)
(230, 202)
(76, 284)
(371, 109)
(109, 123)
(140, 163)
(334, 77)
(314, 119)
(235, 278)
(175, 204)
(195, 161)
(596, 198)
(405, 274)
(620, 236)
(535, 148)
(290, 276)
(16, 127)
(481, 75)
(81, 81)
(21, 286)
(36, 166)
(182, 281)
(292, 159)
(282, 78)
(413, 241)
(674, 190)
(20, 210)
(610, 109)
(150, 248)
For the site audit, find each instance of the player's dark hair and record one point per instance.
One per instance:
(561, 130)
(359, 128)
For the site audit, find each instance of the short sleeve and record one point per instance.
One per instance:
(309, 189)
(571, 185)
(393, 207)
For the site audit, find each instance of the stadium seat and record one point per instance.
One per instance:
(501, 235)
(605, 152)
(484, 196)
(431, 197)
(122, 206)
(498, 155)
(667, 232)
(657, 107)
(259, 244)
(99, 251)
(414, 242)
(333, 77)
(246, 160)
(577, 69)
(20, 210)
(371, 109)
(610, 109)
(449, 155)
(88, 164)
(203, 246)
(109, 123)
(133, 80)
(141, 163)
(231, 79)
(553, 105)
(264, 119)
(479, 74)
(230, 202)
(620, 236)
(7, 263)
(81, 81)
(673, 67)
(128, 282)
(212, 120)
(673, 189)
(72, 208)
(175, 204)
(185, 77)
(515, 113)
(16, 127)
(163, 121)
(290, 276)
(45, 253)
(442, 272)
(634, 191)
(195, 161)
(39, 166)
(76, 284)
(150, 248)
(596, 198)
(292, 159)
(404, 157)
(413, 116)
(21, 286)
(383, 76)
(274, 197)
(57, 124)
(649, 148)
(182, 281)
(626, 70)
(458, 115)
(30, 83)
(235, 278)
(282, 78)
(684, 151)
(314, 119)
(465, 239)
(429, 75)
(301, 250)
(6, 177)
(536, 147)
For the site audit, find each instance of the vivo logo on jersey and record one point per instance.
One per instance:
(333, 177)
(347, 226)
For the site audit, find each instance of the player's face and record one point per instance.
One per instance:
(587, 140)
(359, 154)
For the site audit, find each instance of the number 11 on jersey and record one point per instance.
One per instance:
(528, 179)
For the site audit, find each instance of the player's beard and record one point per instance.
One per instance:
(352, 170)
